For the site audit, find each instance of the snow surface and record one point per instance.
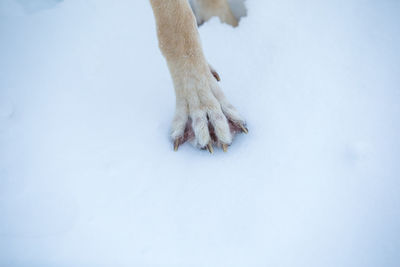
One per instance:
(88, 176)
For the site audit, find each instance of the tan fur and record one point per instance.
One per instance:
(198, 95)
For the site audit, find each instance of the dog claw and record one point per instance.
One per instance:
(225, 147)
(244, 129)
(216, 75)
(210, 148)
(176, 145)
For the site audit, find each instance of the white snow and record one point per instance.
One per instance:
(88, 176)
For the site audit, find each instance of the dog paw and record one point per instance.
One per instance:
(203, 116)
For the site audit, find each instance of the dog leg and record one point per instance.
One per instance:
(203, 115)
(205, 9)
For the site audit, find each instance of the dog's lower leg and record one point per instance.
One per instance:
(203, 114)
(205, 9)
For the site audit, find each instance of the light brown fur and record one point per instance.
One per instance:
(199, 100)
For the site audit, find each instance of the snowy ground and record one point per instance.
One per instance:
(87, 172)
